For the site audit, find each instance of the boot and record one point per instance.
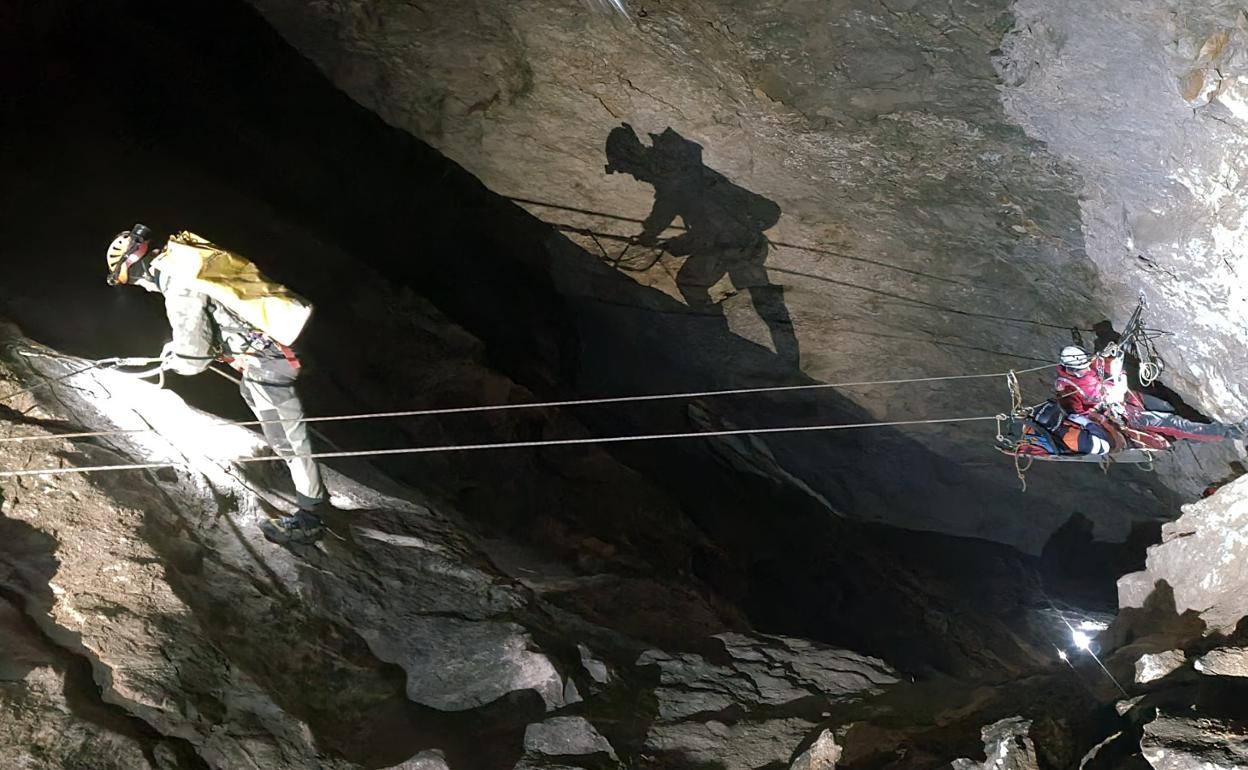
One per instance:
(303, 528)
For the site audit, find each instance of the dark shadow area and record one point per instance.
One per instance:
(1082, 571)
(643, 261)
(839, 255)
(724, 227)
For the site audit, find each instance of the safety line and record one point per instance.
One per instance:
(498, 445)
(542, 404)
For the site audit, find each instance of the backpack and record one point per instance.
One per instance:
(237, 284)
(1048, 416)
(1068, 434)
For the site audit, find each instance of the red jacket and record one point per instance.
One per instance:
(1102, 384)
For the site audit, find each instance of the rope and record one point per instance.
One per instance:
(503, 445)
(551, 404)
(1021, 469)
(1016, 393)
(1149, 372)
(55, 380)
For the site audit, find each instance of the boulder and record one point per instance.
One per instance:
(1151, 667)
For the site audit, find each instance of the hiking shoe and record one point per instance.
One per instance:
(303, 528)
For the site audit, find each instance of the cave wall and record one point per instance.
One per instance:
(1146, 102)
(313, 207)
(927, 224)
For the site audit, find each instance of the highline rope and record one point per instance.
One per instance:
(501, 445)
(547, 404)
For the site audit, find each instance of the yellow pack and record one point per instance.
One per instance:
(237, 284)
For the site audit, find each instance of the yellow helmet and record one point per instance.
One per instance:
(128, 248)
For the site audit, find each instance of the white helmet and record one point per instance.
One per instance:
(1075, 357)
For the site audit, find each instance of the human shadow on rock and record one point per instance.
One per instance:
(724, 223)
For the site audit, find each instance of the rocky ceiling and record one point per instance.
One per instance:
(826, 192)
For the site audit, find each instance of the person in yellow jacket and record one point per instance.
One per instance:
(220, 307)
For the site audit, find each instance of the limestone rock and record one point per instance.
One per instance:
(425, 760)
(823, 754)
(562, 738)
(49, 720)
(1141, 212)
(1209, 534)
(744, 744)
(761, 678)
(1151, 667)
(761, 672)
(1181, 743)
(1225, 661)
(596, 669)
(1008, 746)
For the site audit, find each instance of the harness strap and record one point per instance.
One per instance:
(289, 353)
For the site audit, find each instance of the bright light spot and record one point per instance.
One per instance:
(608, 6)
(1092, 625)
(1062, 654)
(1081, 640)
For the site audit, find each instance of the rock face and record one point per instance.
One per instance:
(823, 754)
(1008, 746)
(1229, 661)
(41, 728)
(760, 703)
(1209, 533)
(191, 622)
(797, 193)
(566, 742)
(1188, 605)
(1152, 667)
(1177, 743)
(836, 177)
(1161, 202)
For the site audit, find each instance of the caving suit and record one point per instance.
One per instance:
(1103, 388)
(204, 329)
